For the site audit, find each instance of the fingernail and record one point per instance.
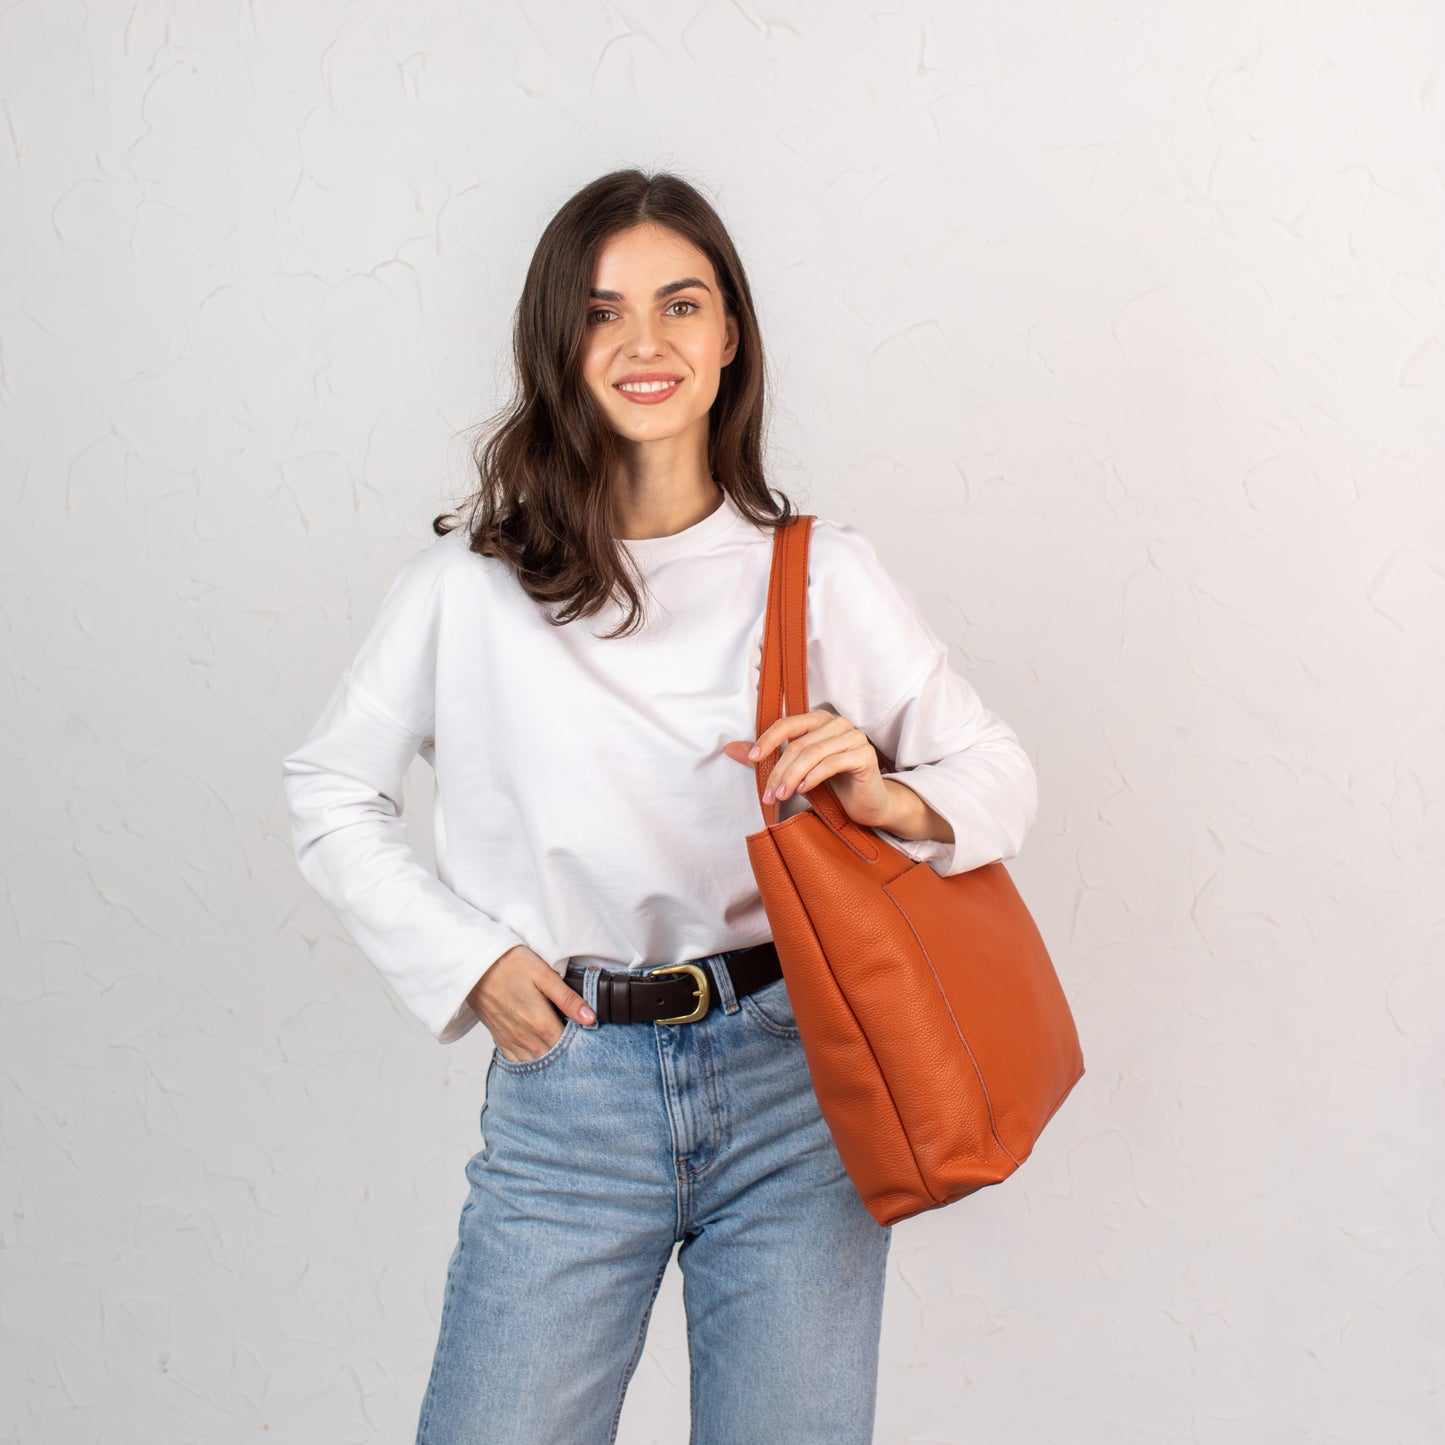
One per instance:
(587, 1015)
(755, 751)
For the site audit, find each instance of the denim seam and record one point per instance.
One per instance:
(531, 1066)
(682, 1179)
(709, 1074)
(452, 1272)
(756, 1014)
(637, 1348)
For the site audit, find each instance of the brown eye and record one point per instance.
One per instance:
(593, 315)
(683, 301)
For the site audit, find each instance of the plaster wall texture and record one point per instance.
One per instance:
(1120, 331)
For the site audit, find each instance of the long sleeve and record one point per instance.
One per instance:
(344, 791)
(880, 663)
(966, 764)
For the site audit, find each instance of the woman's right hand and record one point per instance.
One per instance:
(518, 999)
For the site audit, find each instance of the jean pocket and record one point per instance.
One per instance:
(570, 1031)
(771, 1009)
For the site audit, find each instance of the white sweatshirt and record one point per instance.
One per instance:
(584, 806)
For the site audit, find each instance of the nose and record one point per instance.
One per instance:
(643, 339)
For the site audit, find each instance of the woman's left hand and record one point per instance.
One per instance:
(822, 745)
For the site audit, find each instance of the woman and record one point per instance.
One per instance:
(590, 729)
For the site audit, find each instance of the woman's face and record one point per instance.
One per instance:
(656, 336)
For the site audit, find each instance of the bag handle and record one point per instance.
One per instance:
(783, 676)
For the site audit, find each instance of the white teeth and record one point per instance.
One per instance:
(645, 385)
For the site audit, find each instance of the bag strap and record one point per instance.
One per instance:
(783, 676)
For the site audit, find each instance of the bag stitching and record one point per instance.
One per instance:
(957, 1028)
(862, 1032)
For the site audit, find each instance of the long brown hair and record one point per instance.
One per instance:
(543, 504)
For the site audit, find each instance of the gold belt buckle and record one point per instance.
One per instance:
(702, 992)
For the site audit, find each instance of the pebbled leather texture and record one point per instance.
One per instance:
(937, 1035)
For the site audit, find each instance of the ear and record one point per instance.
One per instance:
(730, 346)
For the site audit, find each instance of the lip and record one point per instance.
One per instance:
(649, 398)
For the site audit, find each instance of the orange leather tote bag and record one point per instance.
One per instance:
(935, 1030)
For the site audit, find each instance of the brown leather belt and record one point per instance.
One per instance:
(677, 993)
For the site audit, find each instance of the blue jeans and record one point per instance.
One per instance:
(617, 1144)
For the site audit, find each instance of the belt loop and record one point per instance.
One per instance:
(589, 992)
(722, 982)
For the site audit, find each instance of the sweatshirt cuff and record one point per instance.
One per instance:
(447, 1014)
(979, 834)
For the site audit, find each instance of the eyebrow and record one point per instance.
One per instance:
(658, 295)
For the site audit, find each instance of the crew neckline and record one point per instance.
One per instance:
(650, 551)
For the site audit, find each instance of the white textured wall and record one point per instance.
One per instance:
(1119, 328)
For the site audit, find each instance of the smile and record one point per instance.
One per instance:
(645, 393)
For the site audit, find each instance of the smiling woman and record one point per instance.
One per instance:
(593, 907)
(655, 364)
(637, 249)
(639, 362)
